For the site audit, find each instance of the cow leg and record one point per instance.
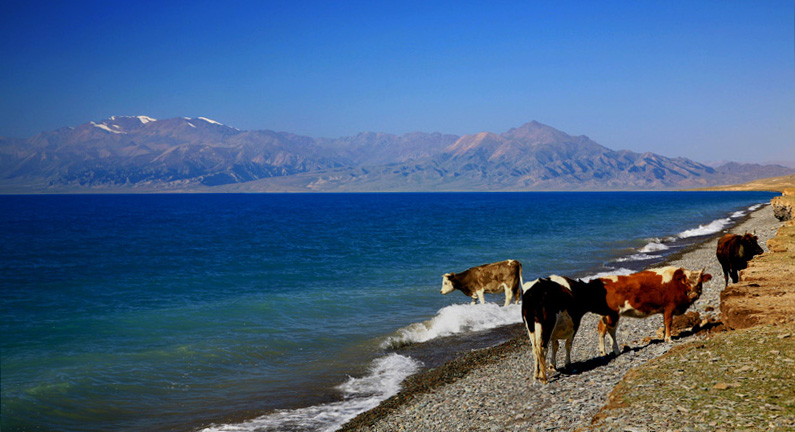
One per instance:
(537, 340)
(608, 324)
(508, 294)
(601, 327)
(481, 297)
(575, 324)
(539, 353)
(554, 358)
(612, 330)
(725, 269)
(568, 351)
(532, 346)
(537, 349)
(734, 275)
(668, 317)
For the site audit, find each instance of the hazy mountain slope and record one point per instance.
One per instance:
(182, 154)
(128, 150)
(532, 157)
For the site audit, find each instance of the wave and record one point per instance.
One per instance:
(740, 213)
(646, 252)
(455, 319)
(658, 244)
(360, 394)
(756, 207)
(655, 245)
(715, 226)
(616, 272)
(638, 257)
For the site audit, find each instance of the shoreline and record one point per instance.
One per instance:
(474, 390)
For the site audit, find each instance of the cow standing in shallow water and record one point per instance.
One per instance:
(734, 252)
(668, 290)
(488, 278)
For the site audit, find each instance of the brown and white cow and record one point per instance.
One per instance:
(734, 252)
(488, 278)
(552, 309)
(668, 291)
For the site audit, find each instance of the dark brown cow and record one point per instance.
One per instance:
(552, 309)
(668, 290)
(488, 278)
(734, 252)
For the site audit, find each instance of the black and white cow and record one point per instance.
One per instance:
(552, 309)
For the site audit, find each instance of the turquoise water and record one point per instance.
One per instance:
(280, 312)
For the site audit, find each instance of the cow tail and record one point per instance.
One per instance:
(520, 289)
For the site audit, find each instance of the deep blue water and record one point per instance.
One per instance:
(264, 312)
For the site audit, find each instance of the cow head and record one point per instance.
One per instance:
(447, 283)
(695, 281)
(749, 246)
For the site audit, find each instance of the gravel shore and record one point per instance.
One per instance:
(493, 389)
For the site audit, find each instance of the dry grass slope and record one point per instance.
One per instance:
(740, 380)
(775, 184)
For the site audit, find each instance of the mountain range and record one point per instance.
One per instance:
(141, 154)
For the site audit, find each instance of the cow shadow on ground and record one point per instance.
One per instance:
(580, 367)
(712, 326)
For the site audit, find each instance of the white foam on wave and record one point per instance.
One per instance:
(737, 214)
(360, 394)
(638, 257)
(455, 319)
(653, 246)
(617, 272)
(756, 207)
(702, 230)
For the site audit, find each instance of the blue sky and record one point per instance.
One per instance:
(700, 79)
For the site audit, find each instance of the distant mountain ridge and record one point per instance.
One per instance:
(139, 153)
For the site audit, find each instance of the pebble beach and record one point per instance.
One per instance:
(493, 389)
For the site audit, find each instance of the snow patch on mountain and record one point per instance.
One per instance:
(105, 127)
(210, 121)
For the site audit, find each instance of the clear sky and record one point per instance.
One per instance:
(707, 80)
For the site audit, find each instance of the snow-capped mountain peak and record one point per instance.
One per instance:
(145, 119)
(142, 118)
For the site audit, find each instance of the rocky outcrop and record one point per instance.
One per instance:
(784, 206)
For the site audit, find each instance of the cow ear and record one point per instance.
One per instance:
(706, 277)
(680, 275)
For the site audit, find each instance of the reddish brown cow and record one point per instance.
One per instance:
(734, 252)
(668, 290)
